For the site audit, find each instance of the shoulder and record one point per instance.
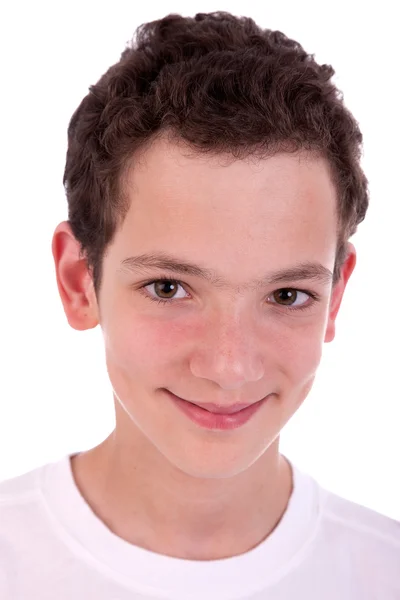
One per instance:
(364, 523)
(368, 541)
(20, 528)
(20, 489)
(22, 501)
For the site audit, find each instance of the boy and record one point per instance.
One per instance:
(217, 158)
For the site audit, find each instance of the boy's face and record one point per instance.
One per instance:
(214, 343)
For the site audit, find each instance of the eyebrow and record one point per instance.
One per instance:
(302, 271)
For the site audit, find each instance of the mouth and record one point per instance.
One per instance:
(219, 409)
(214, 416)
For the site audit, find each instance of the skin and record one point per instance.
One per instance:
(160, 481)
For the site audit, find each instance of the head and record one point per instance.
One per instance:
(226, 146)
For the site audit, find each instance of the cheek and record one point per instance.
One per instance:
(306, 361)
(142, 345)
(298, 353)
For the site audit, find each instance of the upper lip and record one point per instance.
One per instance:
(221, 409)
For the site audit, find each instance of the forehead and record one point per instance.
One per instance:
(171, 157)
(273, 210)
(177, 178)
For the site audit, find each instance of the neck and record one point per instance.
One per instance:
(151, 504)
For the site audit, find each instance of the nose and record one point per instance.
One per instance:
(230, 354)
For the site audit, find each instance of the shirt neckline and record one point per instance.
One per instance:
(167, 577)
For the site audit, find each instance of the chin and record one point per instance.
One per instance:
(214, 459)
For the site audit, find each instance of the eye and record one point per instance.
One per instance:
(284, 297)
(164, 286)
(289, 296)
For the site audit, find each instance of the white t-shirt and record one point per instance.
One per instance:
(53, 547)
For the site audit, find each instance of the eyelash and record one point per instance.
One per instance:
(315, 298)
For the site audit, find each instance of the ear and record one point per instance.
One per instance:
(338, 291)
(74, 282)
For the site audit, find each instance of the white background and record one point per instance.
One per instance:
(55, 394)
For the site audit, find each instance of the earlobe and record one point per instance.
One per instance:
(338, 291)
(74, 282)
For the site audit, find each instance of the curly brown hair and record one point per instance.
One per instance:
(221, 85)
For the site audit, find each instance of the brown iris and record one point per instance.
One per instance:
(287, 296)
(158, 285)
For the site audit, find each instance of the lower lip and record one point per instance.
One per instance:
(209, 420)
